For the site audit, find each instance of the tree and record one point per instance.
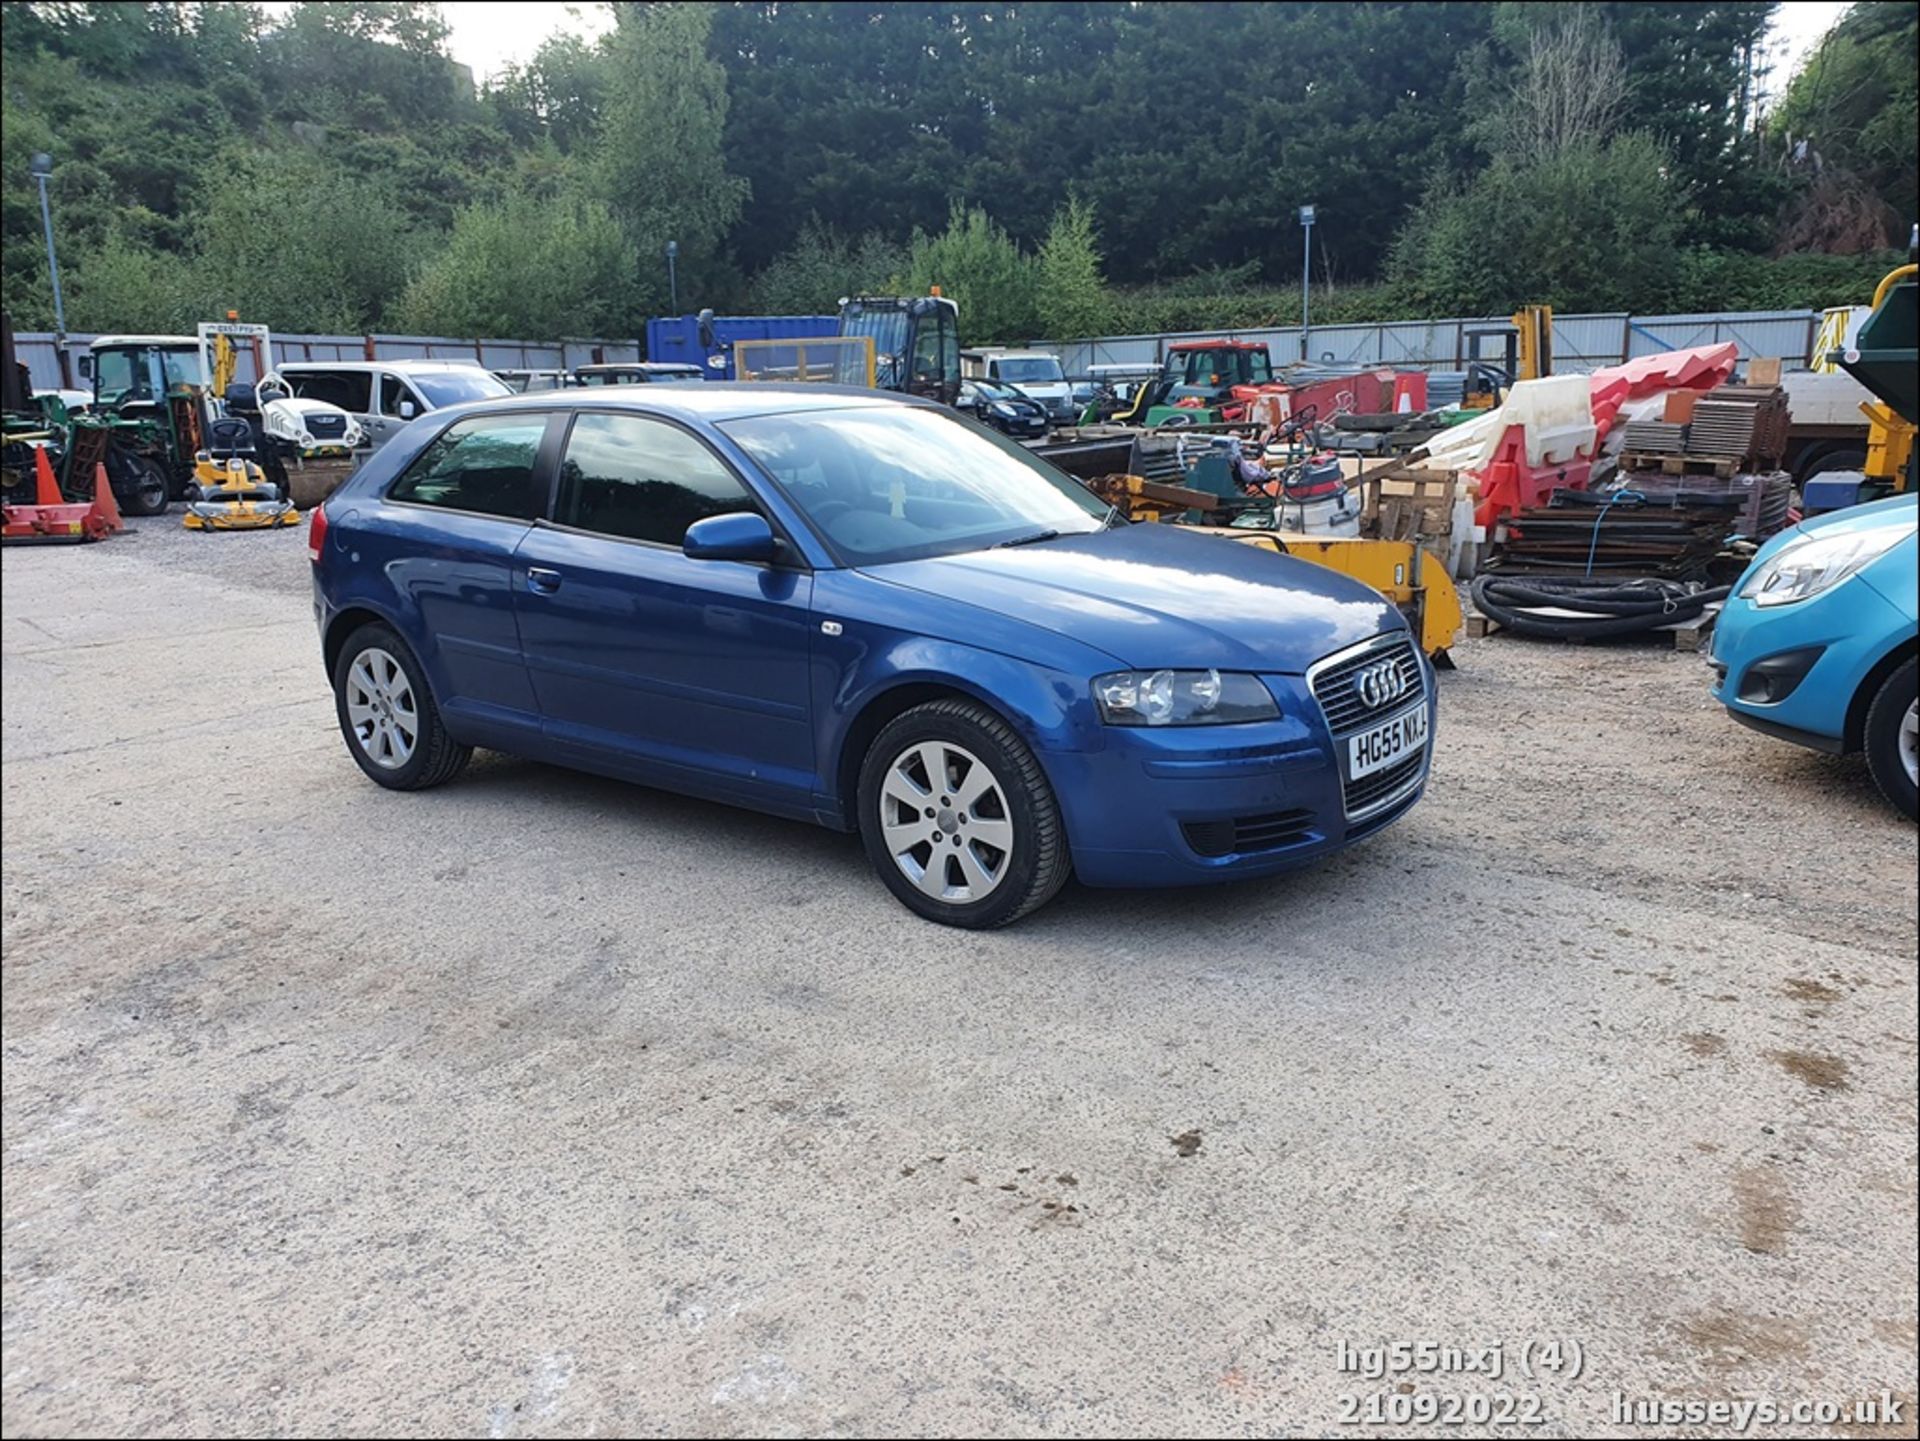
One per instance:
(977, 265)
(1592, 227)
(135, 287)
(821, 267)
(1072, 299)
(1848, 122)
(528, 269)
(661, 168)
(298, 243)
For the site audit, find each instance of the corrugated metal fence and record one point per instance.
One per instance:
(1580, 342)
(36, 349)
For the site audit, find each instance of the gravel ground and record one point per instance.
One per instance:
(543, 1105)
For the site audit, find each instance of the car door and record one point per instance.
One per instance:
(644, 656)
(444, 539)
(392, 400)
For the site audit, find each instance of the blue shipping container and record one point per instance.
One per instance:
(677, 338)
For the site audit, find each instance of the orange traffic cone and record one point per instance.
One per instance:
(46, 490)
(104, 504)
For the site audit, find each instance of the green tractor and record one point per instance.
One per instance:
(1203, 382)
(147, 421)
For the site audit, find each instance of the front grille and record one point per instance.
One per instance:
(326, 427)
(1245, 835)
(1370, 790)
(1345, 711)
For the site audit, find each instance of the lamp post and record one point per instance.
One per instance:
(1306, 274)
(673, 283)
(41, 165)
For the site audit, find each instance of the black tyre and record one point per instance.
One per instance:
(958, 818)
(142, 485)
(1891, 737)
(387, 714)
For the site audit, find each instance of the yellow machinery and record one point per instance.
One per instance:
(1527, 339)
(1401, 570)
(816, 359)
(229, 490)
(1884, 363)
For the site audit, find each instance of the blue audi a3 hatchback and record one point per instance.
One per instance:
(866, 612)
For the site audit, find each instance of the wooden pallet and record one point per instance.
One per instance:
(1717, 465)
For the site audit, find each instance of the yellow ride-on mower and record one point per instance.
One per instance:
(230, 491)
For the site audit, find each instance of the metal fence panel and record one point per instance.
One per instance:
(36, 350)
(1787, 334)
(1589, 342)
(1580, 342)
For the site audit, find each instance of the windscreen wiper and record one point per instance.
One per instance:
(1038, 535)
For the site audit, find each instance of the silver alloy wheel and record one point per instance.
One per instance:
(946, 822)
(1910, 743)
(381, 709)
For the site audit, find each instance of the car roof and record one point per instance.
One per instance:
(110, 342)
(713, 402)
(411, 365)
(636, 365)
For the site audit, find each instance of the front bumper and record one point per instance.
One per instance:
(1757, 650)
(1191, 804)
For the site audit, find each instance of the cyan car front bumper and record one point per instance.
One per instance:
(1792, 670)
(1178, 805)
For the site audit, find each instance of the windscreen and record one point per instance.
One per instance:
(1042, 371)
(890, 483)
(453, 387)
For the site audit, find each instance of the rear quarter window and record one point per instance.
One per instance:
(483, 465)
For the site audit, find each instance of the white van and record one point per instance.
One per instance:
(384, 395)
(1036, 372)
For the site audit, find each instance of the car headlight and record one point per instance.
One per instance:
(1001, 408)
(1803, 568)
(1181, 698)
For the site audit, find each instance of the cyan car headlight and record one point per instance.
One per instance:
(1803, 568)
(1181, 698)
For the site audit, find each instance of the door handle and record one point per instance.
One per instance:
(542, 581)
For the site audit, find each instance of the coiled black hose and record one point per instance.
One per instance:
(1605, 607)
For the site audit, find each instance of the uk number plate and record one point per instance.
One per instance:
(1392, 740)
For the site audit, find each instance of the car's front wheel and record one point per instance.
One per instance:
(387, 714)
(958, 817)
(1892, 739)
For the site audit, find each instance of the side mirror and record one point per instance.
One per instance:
(407, 412)
(86, 367)
(708, 341)
(744, 535)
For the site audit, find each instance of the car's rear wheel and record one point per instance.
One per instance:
(958, 818)
(393, 728)
(1892, 739)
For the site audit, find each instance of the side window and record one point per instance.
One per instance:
(393, 390)
(642, 479)
(484, 464)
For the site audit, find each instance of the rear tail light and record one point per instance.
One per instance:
(317, 534)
